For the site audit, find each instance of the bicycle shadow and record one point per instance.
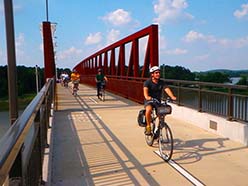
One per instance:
(191, 151)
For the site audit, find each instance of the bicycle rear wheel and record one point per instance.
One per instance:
(165, 142)
(103, 94)
(150, 138)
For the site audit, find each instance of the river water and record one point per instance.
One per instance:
(4, 122)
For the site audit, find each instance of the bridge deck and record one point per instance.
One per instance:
(100, 143)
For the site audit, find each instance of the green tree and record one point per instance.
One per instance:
(3, 82)
(214, 77)
(177, 72)
(243, 80)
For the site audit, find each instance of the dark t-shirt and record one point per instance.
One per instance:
(155, 90)
(100, 77)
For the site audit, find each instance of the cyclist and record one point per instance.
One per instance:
(100, 78)
(75, 78)
(153, 89)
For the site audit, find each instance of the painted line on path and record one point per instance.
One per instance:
(182, 171)
(92, 99)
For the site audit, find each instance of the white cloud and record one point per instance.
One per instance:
(192, 36)
(118, 17)
(162, 42)
(177, 51)
(71, 52)
(19, 44)
(20, 40)
(241, 13)
(93, 38)
(113, 36)
(168, 10)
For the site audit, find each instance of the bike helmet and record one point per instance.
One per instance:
(154, 68)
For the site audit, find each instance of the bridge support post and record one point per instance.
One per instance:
(49, 62)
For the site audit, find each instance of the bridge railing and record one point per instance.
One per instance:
(22, 147)
(230, 101)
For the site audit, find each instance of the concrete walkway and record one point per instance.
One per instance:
(100, 143)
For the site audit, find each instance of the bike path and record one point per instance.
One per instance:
(100, 143)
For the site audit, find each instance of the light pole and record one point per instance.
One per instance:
(47, 10)
(16, 169)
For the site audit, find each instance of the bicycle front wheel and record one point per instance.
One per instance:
(166, 142)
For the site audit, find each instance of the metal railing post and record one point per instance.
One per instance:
(230, 105)
(179, 93)
(199, 99)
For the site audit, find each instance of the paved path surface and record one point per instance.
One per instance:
(100, 143)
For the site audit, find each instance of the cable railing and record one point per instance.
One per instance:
(23, 145)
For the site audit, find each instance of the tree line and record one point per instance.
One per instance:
(26, 80)
(26, 77)
(216, 76)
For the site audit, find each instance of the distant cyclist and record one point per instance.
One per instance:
(100, 81)
(153, 88)
(75, 78)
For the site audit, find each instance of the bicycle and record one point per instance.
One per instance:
(102, 91)
(75, 88)
(163, 132)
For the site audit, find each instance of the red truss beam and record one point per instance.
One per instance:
(90, 65)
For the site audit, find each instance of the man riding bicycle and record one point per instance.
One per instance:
(75, 78)
(153, 89)
(100, 79)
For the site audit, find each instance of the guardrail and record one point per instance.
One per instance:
(230, 101)
(23, 145)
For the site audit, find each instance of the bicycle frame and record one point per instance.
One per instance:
(164, 133)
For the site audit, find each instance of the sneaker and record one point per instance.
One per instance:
(148, 131)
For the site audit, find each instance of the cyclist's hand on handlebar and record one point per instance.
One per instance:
(155, 100)
(171, 99)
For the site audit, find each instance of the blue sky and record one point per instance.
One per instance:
(196, 34)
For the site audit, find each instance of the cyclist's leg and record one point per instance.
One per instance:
(76, 86)
(98, 86)
(148, 108)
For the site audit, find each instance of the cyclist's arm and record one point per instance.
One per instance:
(105, 78)
(170, 93)
(146, 95)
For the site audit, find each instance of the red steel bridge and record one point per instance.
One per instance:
(21, 159)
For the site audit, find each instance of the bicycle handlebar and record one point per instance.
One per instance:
(156, 101)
